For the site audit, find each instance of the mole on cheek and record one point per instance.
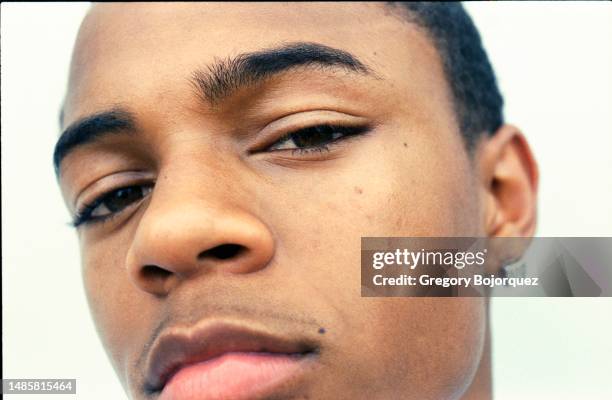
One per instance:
(358, 190)
(321, 331)
(405, 145)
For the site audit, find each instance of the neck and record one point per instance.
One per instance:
(481, 387)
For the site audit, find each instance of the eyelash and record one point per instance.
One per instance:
(344, 132)
(84, 215)
(338, 133)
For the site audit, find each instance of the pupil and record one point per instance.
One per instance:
(123, 198)
(315, 136)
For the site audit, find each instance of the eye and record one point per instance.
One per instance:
(316, 137)
(111, 203)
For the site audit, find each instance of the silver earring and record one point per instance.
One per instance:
(514, 270)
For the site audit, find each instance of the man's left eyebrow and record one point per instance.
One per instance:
(90, 128)
(223, 77)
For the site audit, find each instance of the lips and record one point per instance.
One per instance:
(219, 360)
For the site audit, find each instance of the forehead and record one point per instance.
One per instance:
(126, 51)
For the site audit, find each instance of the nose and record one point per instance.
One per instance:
(182, 236)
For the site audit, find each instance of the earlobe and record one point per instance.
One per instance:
(509, 181)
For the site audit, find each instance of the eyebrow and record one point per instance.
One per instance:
(213, 83)
(90, 128)
(223, 77)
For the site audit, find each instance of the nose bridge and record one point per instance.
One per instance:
(196, 222)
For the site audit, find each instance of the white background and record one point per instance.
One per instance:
(554, 65)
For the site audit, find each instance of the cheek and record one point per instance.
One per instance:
(392, 191)
(321, 217)
(429, 347)
(425, 195)
(120, 315)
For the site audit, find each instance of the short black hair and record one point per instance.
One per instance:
(477, 100)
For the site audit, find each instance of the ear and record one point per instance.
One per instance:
(509, 182)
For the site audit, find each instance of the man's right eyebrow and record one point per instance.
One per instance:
(90, 128)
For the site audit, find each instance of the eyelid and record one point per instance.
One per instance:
(85, 215)
(108, 184)
(280, 128)
(344, 133)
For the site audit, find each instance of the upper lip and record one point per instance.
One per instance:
(178, 347)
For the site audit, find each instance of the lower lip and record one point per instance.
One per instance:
(237, 376)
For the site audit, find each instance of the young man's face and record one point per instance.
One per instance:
(236, 243)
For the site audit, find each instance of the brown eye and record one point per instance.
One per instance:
(111, 203)
(316, 137)
(119, 199)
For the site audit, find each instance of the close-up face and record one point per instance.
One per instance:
(234, 156)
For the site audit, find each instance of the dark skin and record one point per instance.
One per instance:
(209, 172)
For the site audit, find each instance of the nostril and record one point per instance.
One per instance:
(154, 273)
(223, 251)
